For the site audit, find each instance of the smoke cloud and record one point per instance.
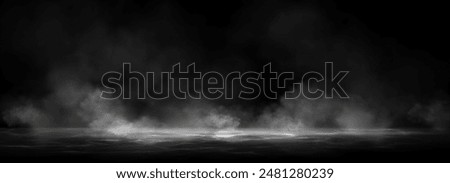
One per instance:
(293, 37)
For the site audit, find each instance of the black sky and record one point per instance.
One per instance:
(396, 51)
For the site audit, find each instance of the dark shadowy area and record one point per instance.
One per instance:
(398, 47)
(396, 52)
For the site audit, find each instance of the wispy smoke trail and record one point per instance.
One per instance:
(73, 104)
(323, 113)
(293, 38)
(436, 114)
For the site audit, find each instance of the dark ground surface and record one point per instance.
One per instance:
(83, 145)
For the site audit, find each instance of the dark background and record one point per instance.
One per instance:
(396, 53)
(402, 46)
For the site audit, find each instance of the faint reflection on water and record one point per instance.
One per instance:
(202, 144)
(234, 135)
